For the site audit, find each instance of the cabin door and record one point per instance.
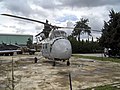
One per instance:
(46, 50)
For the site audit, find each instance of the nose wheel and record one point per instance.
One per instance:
(68, 63)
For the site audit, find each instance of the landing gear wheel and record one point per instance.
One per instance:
(68, 63)
(53, 63)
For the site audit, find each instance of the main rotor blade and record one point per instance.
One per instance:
(53, 26)
(79, 28)
(9, 15)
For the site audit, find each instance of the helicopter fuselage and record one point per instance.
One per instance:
(58, 48)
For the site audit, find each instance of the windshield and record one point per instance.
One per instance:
(58, 34)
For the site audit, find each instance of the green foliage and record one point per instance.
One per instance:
(87, 46)
(111, 32)
(29, 43)
(81, 27)
(99, 58)
(105, 87)
(84, 46)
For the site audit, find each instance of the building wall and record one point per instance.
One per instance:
(14, 38)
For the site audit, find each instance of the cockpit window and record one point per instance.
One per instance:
(63, 34)
(59, 34)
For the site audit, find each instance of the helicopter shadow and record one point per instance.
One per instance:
(57, 63)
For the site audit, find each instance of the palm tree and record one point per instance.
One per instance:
(81, 27)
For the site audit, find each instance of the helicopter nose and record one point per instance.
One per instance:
(62, 49)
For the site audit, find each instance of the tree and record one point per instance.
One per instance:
(29, 43)
(74, 43)
(84, 46)
(111, 32)
(81, 27)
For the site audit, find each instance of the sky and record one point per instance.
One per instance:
(57, 12)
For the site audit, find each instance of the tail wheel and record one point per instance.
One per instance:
(68, 63)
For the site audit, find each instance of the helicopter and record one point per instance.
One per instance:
(56, 46)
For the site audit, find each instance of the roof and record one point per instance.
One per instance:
(15, 34)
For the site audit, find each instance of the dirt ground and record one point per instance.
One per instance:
(85, 73)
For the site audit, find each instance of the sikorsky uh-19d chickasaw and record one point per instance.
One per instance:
(56, 46)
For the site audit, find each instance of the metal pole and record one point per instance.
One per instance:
(70, 81)
(12, 75)
(102, 56)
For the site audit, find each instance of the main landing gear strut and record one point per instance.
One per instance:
(68, 63)
(54, 62)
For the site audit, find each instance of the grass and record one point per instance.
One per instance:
(99, 58)
(105, 87)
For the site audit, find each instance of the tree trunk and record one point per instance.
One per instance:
(79, 37)
(88, 38)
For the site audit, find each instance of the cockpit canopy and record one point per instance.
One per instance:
(58, 33)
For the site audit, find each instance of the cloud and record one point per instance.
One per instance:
(67, 17)
(18, 6)
(58, 12)
(47, 4)
(60, 4)
(88, 3)
(1, 0)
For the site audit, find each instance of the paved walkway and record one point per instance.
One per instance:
(97, 55)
